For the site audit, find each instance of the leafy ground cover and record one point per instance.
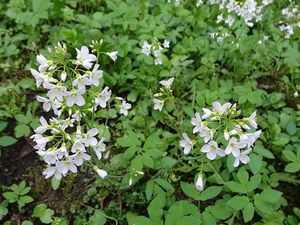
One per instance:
(190, 118)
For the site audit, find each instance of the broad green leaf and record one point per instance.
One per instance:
(190, 190)
(210, 192)
(248, 212)
(7, 140)
(238, 202)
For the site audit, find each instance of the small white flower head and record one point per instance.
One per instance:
(199, 3)
(44, 126)
(52, 171)
(186, 143)
(241, 157)
(146, 49)
(84, 57)
(99, 148)
(89, 138)
(158, 61)
(102, 98)
(124, 108)
(44, 63)
(199, 183)
(212, 150)
(166, 44)
(113, 55)
(197, 122)
(234, 146)
(206, 133)
(95, 75)
(75, 97)
(63, 76)
(102, 173)
(296, 94)
(167, 83)
(250, 138)
(158, 104)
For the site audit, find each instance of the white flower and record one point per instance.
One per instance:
(199, 2)
(229, 20)
(102, 98)
(78, 146)
(44, 126)
(221, 109)
(197, 122)
(64, 166)
(252, 120)
(241, 157)
(56, 91)
(166, 44)
(41, 78)
(158, 61)
(207, 113)
(75, 97)
(250, 138)
(113, 55)
(79, 158)
(84, 58)
(95, 75)
(199, 183)
(63, 76)
(44, 63)
(49, 157)
(89, 138)
(167, 83)
(220, 18)
(99, 148)
(100, 172)
(186, 144)
(124, 108)
(206, 133)
(81, 81)
(296, 94)
(234, 146)
(50, 171)
(158, 104)
(212, 150)
(146, 49)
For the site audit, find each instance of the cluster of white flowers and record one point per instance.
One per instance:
(249, 10)
(67, 140)
(292, 19)
(166, 90)
(220, 128)
(155, 49)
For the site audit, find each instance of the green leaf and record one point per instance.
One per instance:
(43, 213)
(243, 176)
(190, 190)
(7, 140)
(3, 211)
(208, 219)
(236, 187)
(291, 128)
(155, 208)
(165, 185)
(147, 161)
(3, 125)
(55, 183)
(248, 212)
(183, 213)
(270, 195)
(98, 218)
(135, 220)
(253, 183)
(149, 189)
(210, 192)
(22, 130)
(26, 222)
(292, 167)
(255, 163)
(25, 190)
(23, 200)
(129, 139)
(11, 196)
(260, 150)
(289, 155)
(238, 202)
